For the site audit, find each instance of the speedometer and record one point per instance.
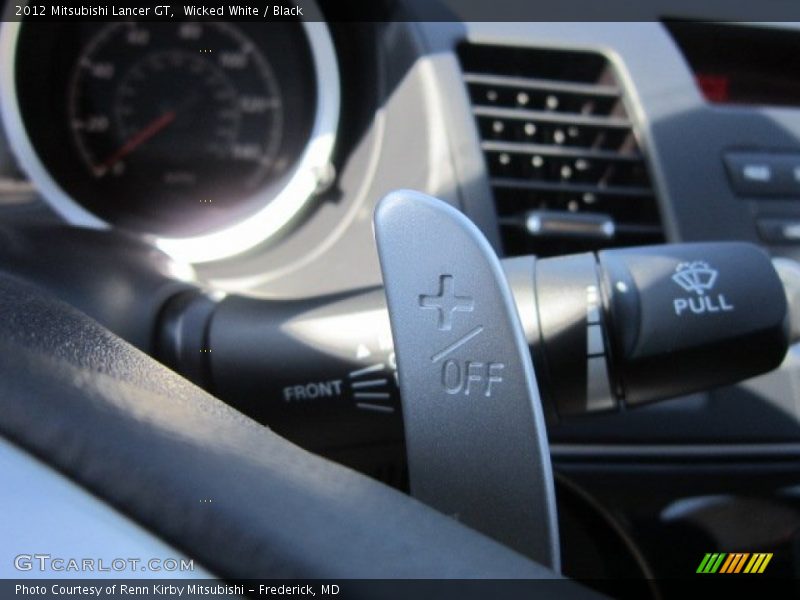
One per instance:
(187, 125)
(207, 137)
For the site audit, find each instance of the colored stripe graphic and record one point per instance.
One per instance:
(727, 564)
(716, 564)
(734, 562)
(758, 563)
(711, 563)
(738, 562)
(755, 562)
(701, 568)
(739, 566)
(765, 563)
(730, 564)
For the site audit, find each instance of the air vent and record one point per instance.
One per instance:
(564, 165)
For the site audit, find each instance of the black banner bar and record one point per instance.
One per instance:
(734, 586)
(403, 10)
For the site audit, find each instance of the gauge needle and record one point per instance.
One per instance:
(138, 138)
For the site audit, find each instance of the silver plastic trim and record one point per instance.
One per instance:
(234, 239)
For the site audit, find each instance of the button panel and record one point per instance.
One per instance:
(778, 230)
(764, 174)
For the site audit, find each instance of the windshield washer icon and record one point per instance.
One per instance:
(699, 278)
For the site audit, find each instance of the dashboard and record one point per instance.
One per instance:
(257, 152)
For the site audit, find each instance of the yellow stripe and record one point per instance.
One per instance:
(761, 557)
(741, 562)
(753, 564)
(727, 562)
(765, 563)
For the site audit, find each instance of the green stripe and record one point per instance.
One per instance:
(711, 562)
(703, 563)
(718, 563)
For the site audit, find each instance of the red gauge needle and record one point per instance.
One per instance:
(139, 138)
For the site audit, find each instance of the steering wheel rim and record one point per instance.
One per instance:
(150, 443)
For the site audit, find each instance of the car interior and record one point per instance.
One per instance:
(402, 291)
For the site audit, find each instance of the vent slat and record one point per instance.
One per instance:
(559, 118)
(562, 156)
(571, 188)
(548, 85)
(565, 151)
(565, 224)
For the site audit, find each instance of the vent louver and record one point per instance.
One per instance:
(564, 164)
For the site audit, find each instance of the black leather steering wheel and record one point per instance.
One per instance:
(151, 444)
